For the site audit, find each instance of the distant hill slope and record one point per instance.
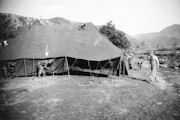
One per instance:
(134, 42)
(166, 38)
(12, 24)
(59, 20)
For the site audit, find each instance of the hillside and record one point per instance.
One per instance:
(12, 24)
(165, 38)
(134, 42)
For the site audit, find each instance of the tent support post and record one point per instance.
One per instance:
(33, 67)
(123, 68)
(74, 62)
(25, 67)
(67, 65)
(89, 67)
(97, 65)
(97, 68)
(117, 67)
(120, 67)
(110, 72)
(103, 67)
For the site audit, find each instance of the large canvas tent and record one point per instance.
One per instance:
(71, 47)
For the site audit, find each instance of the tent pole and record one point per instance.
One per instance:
(97, 65)
(117, 67)
(120, 67)
(123, 68)
(110, 72)
(25, 67)
(74, 62)
(103, 67)
(33, 67)
(67, 65)
(89, 67)
(97, 68)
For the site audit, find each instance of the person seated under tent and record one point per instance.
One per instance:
(5, 43)
(44, 66)
(82, 27)
(9, 69)
(5, 72)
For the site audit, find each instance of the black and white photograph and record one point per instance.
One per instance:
(89, 59)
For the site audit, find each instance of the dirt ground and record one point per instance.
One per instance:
(90, 98)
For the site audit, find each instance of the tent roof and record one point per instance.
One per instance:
(61, 40)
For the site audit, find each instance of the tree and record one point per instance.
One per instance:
(117, 37)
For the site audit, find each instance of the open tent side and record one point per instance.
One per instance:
(68, 66)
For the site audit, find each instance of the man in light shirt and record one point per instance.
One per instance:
(154, 65)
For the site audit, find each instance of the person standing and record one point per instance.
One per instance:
(140, 62)
(124, 64)
(154, 65)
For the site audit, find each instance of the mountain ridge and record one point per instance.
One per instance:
(166, 38)
(11, 24)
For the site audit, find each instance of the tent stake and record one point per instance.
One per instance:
(67, 65)
(25, 67)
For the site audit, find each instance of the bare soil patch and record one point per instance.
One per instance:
(86, 98)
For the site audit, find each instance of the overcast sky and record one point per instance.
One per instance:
(130, 16)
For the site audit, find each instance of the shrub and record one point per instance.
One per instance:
(117, 37)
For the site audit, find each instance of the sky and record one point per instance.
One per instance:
(131, 16)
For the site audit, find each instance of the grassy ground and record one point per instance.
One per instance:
(89, 98)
